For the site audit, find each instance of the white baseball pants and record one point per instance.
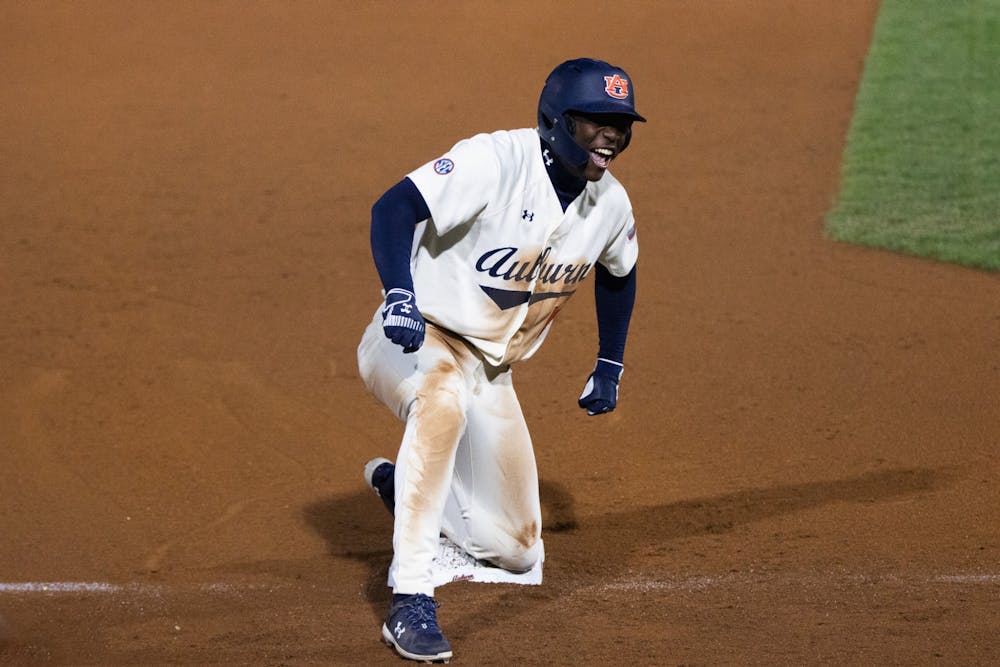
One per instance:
(465, 467)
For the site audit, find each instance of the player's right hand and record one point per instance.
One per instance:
(402, 322)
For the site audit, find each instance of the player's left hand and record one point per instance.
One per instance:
(601, 393)
(401, 320)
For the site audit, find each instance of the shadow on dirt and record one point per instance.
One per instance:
(617, 533)
(357, 526)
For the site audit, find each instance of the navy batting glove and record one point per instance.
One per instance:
(402, 322)
(601, 393)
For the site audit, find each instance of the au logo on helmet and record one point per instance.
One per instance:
(616, 86)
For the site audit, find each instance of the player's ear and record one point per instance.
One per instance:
(570, 124)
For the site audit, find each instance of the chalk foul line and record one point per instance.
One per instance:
(693, 583)
(101, 587)
(705, 582)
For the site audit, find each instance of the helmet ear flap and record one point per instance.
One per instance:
(547, 122)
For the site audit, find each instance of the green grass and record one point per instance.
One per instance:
(921, 171)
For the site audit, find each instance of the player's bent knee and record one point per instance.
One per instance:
(521, 553)
(521, 559)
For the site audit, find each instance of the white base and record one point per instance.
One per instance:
(453, 564)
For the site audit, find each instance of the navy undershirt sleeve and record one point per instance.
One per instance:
(614, 298)
(394, 217)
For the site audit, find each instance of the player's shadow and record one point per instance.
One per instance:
(616, 534)
(357, 527)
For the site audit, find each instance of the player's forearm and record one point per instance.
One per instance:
(614, 298)
(394, 217)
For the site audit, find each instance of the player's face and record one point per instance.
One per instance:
(603, 135)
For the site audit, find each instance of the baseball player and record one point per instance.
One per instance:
(477, 252)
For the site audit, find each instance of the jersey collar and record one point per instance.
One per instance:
(567, 186)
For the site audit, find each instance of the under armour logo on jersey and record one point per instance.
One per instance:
(545, 156)
(528, 215)
(616, 86)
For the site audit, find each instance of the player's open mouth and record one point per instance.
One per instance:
(602, 157)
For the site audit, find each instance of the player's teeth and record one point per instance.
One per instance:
(600, 160)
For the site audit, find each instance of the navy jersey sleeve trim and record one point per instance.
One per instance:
(394, 217)
(614, 298)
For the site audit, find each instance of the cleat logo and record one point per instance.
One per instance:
(616, 86)
(399, 629)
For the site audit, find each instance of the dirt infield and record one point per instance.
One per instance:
(802, 468)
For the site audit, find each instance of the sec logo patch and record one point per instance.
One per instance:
(444, 166)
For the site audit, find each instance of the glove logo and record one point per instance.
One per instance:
(401, 320)
(616, 86)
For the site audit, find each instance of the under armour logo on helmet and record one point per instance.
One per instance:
(616, 86)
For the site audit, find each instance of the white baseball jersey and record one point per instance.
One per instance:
(499, 257)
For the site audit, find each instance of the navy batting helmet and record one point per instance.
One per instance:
(586, 86)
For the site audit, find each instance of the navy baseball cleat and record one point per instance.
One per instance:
(380, 475)
(411, 628)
